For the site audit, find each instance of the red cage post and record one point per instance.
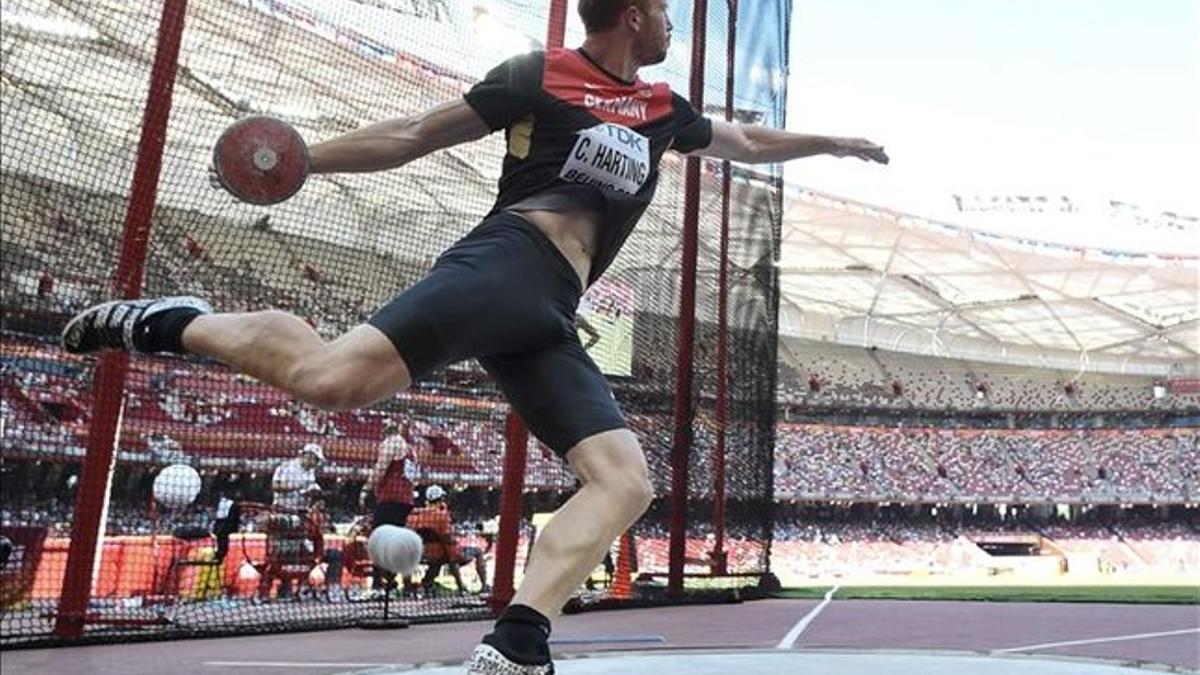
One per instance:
(681, 446)
(719, 558)
(516, 442)
(91, 502)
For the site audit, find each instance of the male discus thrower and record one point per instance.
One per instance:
(261, 160)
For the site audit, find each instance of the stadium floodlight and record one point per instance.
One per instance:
(54, 27)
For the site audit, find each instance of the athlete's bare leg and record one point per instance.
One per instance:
(355, 370)
(616, 492)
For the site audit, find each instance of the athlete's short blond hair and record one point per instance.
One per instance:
(601, 15)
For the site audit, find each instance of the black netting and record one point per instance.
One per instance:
(74, 87)
(750, 326)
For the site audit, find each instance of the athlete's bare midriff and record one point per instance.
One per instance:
(574, 233)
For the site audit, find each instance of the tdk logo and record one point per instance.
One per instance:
(626, 106)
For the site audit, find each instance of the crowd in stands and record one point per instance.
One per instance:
(178, 411)
(182, 411)
(186, 411)
(815, 461)
(810, 539)
(824, 375)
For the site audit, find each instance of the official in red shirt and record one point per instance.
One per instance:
(391, 478)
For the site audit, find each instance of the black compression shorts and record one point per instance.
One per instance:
(505, 294)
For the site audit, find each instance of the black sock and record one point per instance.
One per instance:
(163, 332)
(520, 634)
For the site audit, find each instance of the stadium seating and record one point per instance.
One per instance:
(840, 462)
(227, 424)
(819, 375)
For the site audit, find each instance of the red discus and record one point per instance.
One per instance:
(261, 160)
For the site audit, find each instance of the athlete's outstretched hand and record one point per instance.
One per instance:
(860, 148)
(754, 144)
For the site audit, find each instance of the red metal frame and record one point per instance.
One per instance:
(516, 442)
(681, 446)
(556, 26)
(91, 502)
(718, 553)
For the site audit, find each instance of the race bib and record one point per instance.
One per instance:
(609, 156)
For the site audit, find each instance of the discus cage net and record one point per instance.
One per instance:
(109, 114)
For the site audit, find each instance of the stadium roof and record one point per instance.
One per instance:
(857, 274)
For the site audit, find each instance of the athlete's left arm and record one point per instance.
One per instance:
(761, 145)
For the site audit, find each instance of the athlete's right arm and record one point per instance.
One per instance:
(396, 142)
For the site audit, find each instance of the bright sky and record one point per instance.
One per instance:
(1095, 99)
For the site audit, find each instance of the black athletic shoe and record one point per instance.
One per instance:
(487, 660)
(119, 324)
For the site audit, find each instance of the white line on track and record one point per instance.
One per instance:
(1092, 641)
(289, 664)
(794, 634)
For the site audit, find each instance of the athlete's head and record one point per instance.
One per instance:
(646, 21)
